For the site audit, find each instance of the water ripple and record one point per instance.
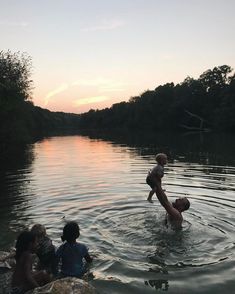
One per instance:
(102, 186)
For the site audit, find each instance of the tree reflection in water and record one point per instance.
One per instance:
(15, 162)
(158, 284)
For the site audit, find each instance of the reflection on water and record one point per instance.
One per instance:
(14, 170)
(158, 284)
(100, 182)
(203, 148)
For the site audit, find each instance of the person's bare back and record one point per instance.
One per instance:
(24, 278)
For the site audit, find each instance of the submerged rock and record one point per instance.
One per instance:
(7, 259)
(7, 263)
(65, 286)
(5, 282)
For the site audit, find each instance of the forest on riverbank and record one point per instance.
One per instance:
(206, 103)
(20, 120)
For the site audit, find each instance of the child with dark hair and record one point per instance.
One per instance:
(71, 253)
(45, 249)
(24, 278)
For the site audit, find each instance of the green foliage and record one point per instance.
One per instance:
(20, 121)
(216, 78)
(208, 102)
(15, 90)
(15, 71)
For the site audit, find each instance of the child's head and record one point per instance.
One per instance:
(39, 230)
(71, 232)
(161, 158)
(26, 241)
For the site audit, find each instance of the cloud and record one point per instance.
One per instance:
(54, 92)
(100, 84)
(167, 57)
(13, 23)
(91, 82)
(113, 87)
(104, 85)
(105, 26)
(90, 100)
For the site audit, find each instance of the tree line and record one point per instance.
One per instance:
(206, 103)
(195, 104)
(20, 120)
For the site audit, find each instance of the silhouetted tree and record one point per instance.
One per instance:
(20, 121)
(209, 99)
(218, 77)
(15, 94)
(15, 72)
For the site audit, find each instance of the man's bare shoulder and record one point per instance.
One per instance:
(176, 220)
(173, 213)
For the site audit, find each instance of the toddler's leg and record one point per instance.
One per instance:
(151, 195)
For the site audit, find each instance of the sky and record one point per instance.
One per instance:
(90, 54)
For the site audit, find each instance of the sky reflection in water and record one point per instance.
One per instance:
(101, 184)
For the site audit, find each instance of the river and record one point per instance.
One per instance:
(99, 181)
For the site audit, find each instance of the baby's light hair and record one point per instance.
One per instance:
(159, 156)
(39, 230)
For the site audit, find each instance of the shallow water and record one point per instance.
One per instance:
(101, 184)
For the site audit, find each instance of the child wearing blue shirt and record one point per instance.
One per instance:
(71, 253)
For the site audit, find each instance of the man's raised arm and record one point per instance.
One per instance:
(174, 213)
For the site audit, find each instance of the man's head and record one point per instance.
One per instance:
(181, 204)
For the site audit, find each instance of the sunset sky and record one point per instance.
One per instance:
(93, 53)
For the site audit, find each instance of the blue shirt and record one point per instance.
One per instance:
(72, 258)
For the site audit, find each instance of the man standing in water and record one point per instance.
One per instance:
(174, 210)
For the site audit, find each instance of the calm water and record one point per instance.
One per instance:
(101, 184)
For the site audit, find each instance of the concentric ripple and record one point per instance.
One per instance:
(102, 186)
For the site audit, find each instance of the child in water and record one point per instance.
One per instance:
(154, 177)
(24, 278)
(45, 249)
(71, 253)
